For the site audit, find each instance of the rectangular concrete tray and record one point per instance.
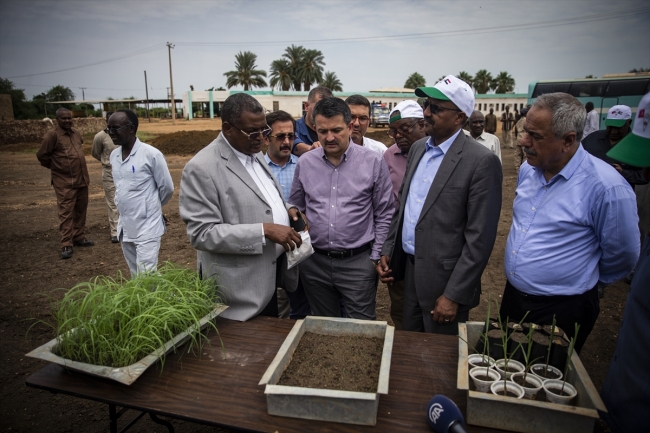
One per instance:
(323, 404)
(126, 375)
(527, 416)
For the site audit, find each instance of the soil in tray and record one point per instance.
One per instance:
(345, 363)
(546, 374)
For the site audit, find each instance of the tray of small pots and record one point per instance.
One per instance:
(525, 377)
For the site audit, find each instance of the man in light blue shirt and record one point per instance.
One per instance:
(142, 186)
(574, 223)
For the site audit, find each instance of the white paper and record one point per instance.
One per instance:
(299, 254)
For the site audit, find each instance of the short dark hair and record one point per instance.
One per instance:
(280, 116)
(321, 91)
(236, 104)
(589, 105)
(330, 107)
(358, 100)
(133, 118)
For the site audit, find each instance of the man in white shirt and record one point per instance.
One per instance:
(360, 108)
(591, 124)
(142, 186)
(476, 131)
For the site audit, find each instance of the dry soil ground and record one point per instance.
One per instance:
(31, 272)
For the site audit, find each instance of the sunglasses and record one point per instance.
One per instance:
(282, 137)
(257, 134)
(403, 131)
(435, 108)
(113, 130)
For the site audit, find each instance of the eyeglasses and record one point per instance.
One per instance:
(435, 108)
(361, 119)
(281, 137)
(403, 131)
(257, 134)
(112, 129)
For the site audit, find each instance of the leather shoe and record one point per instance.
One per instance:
(114, 239)
(66, 252)
(83, 242)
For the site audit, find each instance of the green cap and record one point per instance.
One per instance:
(431, 92)
(634, 148)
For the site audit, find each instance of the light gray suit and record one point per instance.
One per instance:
(223, 209)
(456, 230)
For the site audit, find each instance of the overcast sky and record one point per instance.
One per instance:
(364, 42)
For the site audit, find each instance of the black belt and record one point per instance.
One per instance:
(343, 254)
(548, 298)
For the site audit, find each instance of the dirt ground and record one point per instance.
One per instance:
(32, 272)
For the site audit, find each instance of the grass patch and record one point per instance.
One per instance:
(116, 321)
(146, 137)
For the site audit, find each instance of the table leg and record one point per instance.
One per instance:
(154, 418)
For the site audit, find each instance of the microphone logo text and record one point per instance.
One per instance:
(435, 412)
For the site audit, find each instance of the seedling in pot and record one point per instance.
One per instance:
(572, 344)
(548, 372)
(505, 336)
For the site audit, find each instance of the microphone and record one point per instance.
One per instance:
(444, 416)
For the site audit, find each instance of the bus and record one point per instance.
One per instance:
(613, 89)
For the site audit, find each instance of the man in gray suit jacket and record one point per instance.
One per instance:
(236, 216)
(442, 235)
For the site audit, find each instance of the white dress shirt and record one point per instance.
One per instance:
(375, 145)
(488, 140)
(591, 125)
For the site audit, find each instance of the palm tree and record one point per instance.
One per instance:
(332, 82)
(466, 77)
(414, 81)
(294, 54)
(637, 70)
(503, 83)
(245, 73)
(312, 68)
(441, 78)
(483, 81)
(281, 74)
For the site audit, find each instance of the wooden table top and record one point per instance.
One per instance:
(221, 387)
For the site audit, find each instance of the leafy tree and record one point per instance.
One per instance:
(312, 68)
(466, 77)
(590, 76)
(281, 74)
(332, 82)
(22, 108)
(440, 79)
(503, 83)
(414, 81)
(483, 81)
(294, 54)
(635, 70)
(245, 73)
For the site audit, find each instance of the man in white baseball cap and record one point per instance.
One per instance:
(442, 234)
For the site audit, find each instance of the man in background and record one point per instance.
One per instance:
(405, 126)
(520, 156)
(491, 122)
(306, 137)
(61, 152)
(142, 186)
(360, 109)
(507, 123)
(591, 124)
(476, 131)
(101, 151)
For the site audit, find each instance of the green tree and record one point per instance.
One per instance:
(246, 73)
(59, 93)
(22, 108)
(414, 81)
(503, 83)
(294, 54)
(483, 81)
(332, 82)
(312, 68)
(281, 74)
(635, 70)
(590, 76)
(466, 77)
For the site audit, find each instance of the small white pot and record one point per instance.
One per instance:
(497, 388)
(552, 388)
(532, 385)
(476, 359)
(542, 366)
(480, 384)
(512, 365)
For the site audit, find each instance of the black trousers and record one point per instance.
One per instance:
(568, 310)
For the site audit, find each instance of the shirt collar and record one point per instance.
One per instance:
(569, 169)
(348, 152)
(242, 157)
(293, 159)
(445, 145)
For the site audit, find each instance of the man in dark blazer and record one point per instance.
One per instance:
(442, 235)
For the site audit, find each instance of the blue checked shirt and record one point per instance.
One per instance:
(284, 175)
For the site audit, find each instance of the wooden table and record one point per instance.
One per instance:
(220, 388)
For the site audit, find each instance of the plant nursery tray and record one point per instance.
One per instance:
(126, 375)
(528, 416)
(324, 404)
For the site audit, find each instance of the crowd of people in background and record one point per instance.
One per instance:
(420, 215)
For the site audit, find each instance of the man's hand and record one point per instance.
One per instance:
(166, 219)
(315, 145)
(445, 310)
(283, 235)
(618, 168)
(295, 214)
(383, 270)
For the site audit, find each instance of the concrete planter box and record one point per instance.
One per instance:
(528, 416)
(323, 404)
(126, 375)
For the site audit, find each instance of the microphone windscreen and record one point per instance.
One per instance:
(442, 412)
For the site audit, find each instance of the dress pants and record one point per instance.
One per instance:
(109, 193)
(141, 256)
(396, 293)
(507, 138)
(72, 205)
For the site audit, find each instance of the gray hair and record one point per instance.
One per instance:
(569, 114)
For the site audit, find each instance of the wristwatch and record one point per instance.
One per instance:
(375, 262)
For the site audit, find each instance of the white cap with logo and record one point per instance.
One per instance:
(407, 109)
(618, 115)
(452, 89)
